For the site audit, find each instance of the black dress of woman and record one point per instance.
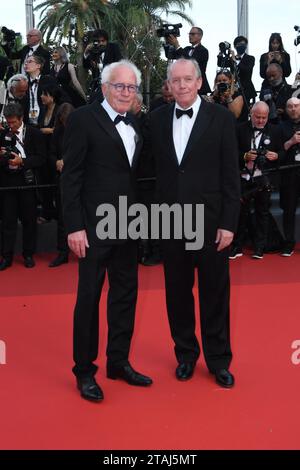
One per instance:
(64, 79)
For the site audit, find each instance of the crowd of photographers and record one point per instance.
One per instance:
(37, 100)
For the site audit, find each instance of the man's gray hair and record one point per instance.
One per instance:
(260, 104)
(183, 61)
(15, 79)
(109, 70)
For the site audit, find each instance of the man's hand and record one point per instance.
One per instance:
(16, 161)
(59, 165)
(172, 40)
(250, 156)
(272, 156)
(78, 243)
(296, 138)
(224, 238)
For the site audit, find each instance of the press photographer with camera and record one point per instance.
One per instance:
(22, 150)
(275, 55)
(290, 179)
(100, 52)
(226, 93)
(275, 92)
(260, 148)
(196, 51)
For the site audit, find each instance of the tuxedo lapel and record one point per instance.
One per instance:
(107, 124)
(201, 124)
(168, 133)
(138, 141)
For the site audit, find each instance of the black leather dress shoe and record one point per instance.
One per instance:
(29, 262)
(127, 373)
(5, 263)
(185, 370)
(62, 258)
(89, 389)
(224, 378)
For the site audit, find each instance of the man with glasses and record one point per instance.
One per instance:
(33, 47)
(101, 149)
(196, 51)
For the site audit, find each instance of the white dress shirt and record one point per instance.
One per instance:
(126, 131)
(19, 146)
(182, 128)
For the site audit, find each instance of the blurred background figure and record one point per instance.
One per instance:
(65, 74)
(57, 162)
(275, 55)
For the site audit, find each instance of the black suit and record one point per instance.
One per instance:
(261, 198)
(40, 51)
(96, 171)
(44, 80)
(200, 55)
(112, 54)
(244, 70)
(208, 174)
(21, 203)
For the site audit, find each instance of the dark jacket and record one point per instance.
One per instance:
(96, 169)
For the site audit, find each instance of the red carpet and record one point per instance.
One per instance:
(40, 407)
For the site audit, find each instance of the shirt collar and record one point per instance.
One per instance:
(34, 48)
(195, 106)
(20, 131)
(110, 111)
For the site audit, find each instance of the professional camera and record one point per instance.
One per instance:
(96, 51)
(9, 143)
(9, 37)
(262, 151)
(297, 40)
(223, 87)
(224, 59)
(169, 29)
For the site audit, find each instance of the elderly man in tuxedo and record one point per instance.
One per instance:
(195, 150)
(102, 145)
(33, 47)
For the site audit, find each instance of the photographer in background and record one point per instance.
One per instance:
(244, 65)
(100, 52)
(275, 92)
(276, 55)
(33, 47)
(22, 149)
(260, 148)
(226, 94)
(290, 179)
(196, 51)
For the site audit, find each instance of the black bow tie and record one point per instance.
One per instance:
(34, 81)
(181, 112)
(257, 129)
(31, 49)
(120, 118)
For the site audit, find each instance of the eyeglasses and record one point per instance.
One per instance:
(31, 35)
(119, 87)
(30, 61)
(193, 34)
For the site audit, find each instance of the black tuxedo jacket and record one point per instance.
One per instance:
(245, 136)
(245, 69)
(112, 54)
(200, 54)
(96, 169)
(208, 173)
(35, 150)
(44, 80)
(40, 51)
